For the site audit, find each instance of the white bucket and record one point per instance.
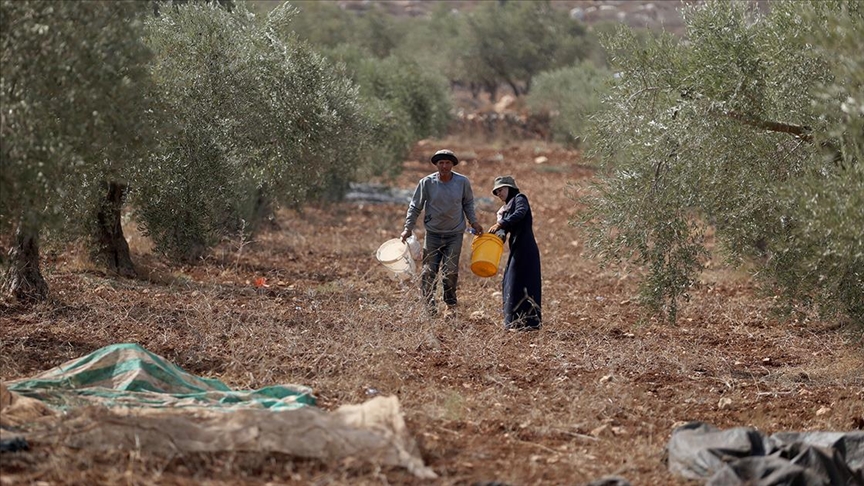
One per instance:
(394, 255)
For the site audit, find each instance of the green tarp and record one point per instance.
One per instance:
(129, 375)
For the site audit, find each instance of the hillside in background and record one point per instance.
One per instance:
(637, 14)
(656, 15)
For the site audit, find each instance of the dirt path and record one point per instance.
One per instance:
(596, 392)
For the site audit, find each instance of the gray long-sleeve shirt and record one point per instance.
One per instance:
(446, 204)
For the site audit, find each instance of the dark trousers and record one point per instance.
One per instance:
(440, 249)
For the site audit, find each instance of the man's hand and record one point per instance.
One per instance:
(405, 234)
(478, 230)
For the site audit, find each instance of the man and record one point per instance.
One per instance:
(448, 200)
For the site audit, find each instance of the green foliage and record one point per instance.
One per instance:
(406, 102)
(822, 260)
(434, 42)
(408, 89)
(494, 44)
(572, 94)
(327, 25)
(253, 118)
(379, 33)
(730, 129)
(323, 24)
(513, 42)
(403, 100)
(414, 105)
(158, 5)
(193, 188)
(73, 99)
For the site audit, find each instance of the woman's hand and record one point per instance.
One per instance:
(495, 227)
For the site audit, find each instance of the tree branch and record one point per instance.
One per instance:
(802, 132)
(647, 88)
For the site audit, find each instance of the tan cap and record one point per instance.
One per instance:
(445, 154)
(504, 181)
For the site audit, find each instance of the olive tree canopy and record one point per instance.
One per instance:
(751, 126)
(251, 117)
(73, 84)
(511, 42)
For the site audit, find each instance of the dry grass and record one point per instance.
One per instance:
(596, 392)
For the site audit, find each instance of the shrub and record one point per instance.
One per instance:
(572, 95)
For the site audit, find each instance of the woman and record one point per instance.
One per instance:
(521, 286)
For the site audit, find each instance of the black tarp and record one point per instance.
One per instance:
(744, 456)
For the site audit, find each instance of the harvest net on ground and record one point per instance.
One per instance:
(123, 396)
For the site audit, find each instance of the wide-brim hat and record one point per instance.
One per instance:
(445, 155)
(504, 181)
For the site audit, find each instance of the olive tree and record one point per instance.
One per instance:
(511, 42)
(751, 126)
(404, 101)
(434, 42)
(72, 84)
(571, 95)
(252, 118)
(821, 261)
(327, 25)
(403, 98)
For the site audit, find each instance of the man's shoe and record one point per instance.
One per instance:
(520, 328)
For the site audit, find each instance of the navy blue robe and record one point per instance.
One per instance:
(521, 286)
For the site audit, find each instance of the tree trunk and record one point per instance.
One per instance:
(514, 87)
(111, 251)
(475, 90)
(492, 88)
(23, 279)
(264, 213)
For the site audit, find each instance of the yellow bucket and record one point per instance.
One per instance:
(486, 251)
